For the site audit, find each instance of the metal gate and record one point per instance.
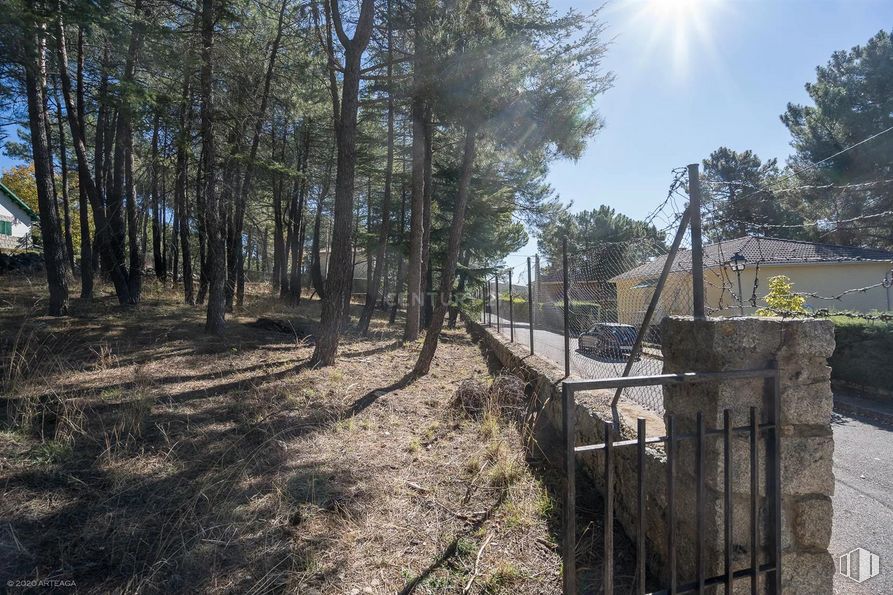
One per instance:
(755, 430)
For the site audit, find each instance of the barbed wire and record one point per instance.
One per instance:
(811, 166)
(679, 175)
(841, 295)
(854, 186)
(806, 224)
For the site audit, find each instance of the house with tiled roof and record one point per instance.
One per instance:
(830, 276)
(16, 220)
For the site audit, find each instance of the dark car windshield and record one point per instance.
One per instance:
(624, 334)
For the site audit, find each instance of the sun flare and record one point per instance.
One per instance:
(679, 29)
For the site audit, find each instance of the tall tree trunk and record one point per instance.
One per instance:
(66, 205)
(300, 258)
(263, 251)
(122, 182)
(49, 136)
(460, 291)
(340, 270)
(398, 282)
(416, 219)
(112, 251)
(53, 247)
(83, 206)
(202, 224)
(236, 250)
(297, 220)
(450, 258)
(278, 222)
(418, 114)
(136, 249)
(157, 255)
(249, 256)
(427, 276)
(316, 275)
(228, 196)
(215, 210)
(173, 249)
(286, 227)
(381, 253)
(171, 243)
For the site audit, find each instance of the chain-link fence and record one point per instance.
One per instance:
(585, 308)
(608, 289)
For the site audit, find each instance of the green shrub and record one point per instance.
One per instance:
(782, 299)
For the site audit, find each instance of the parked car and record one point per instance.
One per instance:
(608, 339)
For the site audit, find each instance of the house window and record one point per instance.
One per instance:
(5, 228)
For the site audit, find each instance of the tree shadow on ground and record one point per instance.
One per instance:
(447, 553)
(171, 488)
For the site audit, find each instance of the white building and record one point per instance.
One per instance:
(16, 219)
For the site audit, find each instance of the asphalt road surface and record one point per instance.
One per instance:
(863, 499)
(550, 346)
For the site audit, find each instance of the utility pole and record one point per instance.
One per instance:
(697, 249)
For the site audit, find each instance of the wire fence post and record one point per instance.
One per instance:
(697, 249)
(530, 304)
(655, 301)
(489, 305)
(567, 337)
(511, 309)
(497, 302)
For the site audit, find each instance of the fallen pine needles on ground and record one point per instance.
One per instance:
(137, 454)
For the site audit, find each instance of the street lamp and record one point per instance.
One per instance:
(738, 263)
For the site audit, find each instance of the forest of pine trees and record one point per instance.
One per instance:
(209, 142)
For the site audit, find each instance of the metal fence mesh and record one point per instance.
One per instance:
(609, 286)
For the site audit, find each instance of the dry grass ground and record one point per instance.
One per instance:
(138, 455)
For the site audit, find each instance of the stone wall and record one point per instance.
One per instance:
(801, 348)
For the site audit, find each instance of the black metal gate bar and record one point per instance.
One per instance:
(754, 501)
(671, 500)
(608, 573)
(755, 431)
(640, 510)
(569, 565)
(727, 495)
(680, 437)
(774, 455)
(699, 502)
(692, 586)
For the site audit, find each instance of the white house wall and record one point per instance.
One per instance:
(21, 222)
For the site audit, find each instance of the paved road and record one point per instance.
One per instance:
(550, 346)
(863, 498)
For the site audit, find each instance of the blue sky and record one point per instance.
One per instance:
(693, 75)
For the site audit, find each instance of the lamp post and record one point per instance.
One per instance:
(737, 263)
